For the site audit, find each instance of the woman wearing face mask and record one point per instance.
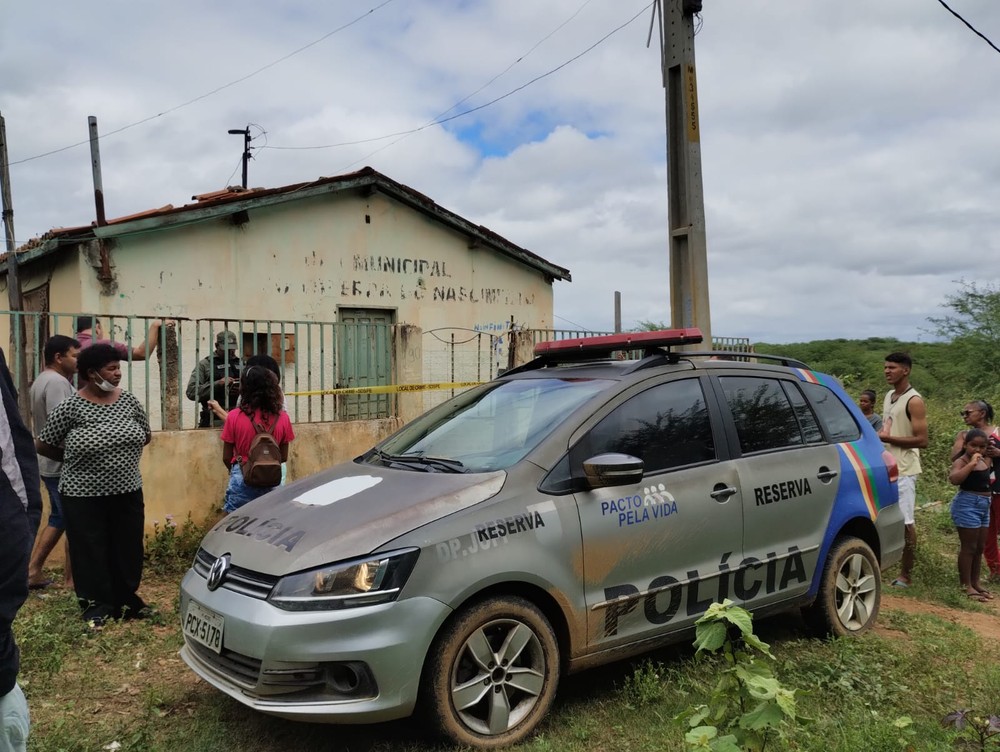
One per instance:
(99, 433)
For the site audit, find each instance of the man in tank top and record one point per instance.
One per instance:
(904, 434)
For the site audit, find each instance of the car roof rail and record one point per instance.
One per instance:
(736, 355)
(653, 357)
(654, 345)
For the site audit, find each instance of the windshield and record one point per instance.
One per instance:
(488, 428)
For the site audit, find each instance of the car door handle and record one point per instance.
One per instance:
(722, 492)
(825, 474)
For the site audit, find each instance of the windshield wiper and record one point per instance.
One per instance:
(428, 464)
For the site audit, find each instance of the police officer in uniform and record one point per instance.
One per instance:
(216, 377)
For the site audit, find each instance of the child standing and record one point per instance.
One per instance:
(970, 510)
(867, 404)
(260, 404)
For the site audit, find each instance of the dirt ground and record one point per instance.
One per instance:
(985, 624)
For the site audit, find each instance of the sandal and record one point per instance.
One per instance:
(900, 583)
(977, 597)
(985, 593)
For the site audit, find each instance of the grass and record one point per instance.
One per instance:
(885, 691)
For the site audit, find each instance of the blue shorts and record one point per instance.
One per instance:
(239, 493)
(55, 503)
(970, 510)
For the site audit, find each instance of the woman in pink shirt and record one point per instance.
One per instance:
(260, 405)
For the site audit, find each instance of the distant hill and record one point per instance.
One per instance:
(858, 363)
(943, 372)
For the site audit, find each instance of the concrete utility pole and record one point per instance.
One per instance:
(95, 168)
(686, 200)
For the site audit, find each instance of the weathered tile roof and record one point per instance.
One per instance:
(235, 199)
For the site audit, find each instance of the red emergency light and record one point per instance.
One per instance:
(609, 343)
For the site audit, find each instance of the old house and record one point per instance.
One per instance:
(350, 280)
(358, 245)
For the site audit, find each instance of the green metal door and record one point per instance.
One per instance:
(364, 358)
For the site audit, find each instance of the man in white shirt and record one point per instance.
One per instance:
(904, 434)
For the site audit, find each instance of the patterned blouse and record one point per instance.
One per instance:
(102, 444)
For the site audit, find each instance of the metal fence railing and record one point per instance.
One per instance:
(311, 357)
(454, 354)
(732, 344)
(548, 335)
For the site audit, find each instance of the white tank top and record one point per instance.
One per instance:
(894, 416)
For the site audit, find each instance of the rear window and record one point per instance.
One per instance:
(762, 413)
(836, 418)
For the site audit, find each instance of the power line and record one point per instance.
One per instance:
(213, 91)
(557, 316)
(534, 47)
(971, 27)
(436, 121)
(441, 120)
(239, 163)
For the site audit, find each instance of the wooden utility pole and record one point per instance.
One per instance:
(686, 201)
(13, 286)
(17, 339)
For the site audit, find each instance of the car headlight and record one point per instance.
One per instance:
(346, 584)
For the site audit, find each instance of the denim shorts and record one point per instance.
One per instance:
(970, 510)
(239, 493)
(55, 503)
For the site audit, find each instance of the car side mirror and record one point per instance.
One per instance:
(610, 470)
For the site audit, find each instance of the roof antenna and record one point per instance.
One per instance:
(245, 132)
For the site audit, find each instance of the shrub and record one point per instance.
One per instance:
(171, 547)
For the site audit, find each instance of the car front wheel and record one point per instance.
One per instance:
(492, 673)
(850, 591)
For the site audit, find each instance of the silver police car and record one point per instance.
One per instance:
(575, 511)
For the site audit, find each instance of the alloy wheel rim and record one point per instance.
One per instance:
(498, 676)
(857, 592)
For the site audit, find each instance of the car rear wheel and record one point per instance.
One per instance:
(492, 673)
(849, 592)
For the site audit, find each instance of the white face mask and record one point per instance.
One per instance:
(104, 385)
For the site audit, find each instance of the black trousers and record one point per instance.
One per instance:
(107, 552)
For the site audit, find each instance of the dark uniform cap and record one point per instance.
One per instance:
(226, 339)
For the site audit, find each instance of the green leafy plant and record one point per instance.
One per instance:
(974, 731)
(171, 545)
(748, 707)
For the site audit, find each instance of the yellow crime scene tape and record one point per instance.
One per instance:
(387, 388)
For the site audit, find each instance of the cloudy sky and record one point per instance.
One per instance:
(851, 149)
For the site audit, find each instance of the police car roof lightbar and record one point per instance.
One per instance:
(605, 345)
